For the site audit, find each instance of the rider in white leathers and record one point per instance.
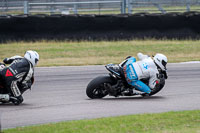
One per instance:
(145, 68)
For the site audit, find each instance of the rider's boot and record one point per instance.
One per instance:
(145, 95)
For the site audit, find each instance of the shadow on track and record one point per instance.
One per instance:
(11, 105)
(135, 98)
(131, 98)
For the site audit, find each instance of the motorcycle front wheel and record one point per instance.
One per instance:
(154, 91)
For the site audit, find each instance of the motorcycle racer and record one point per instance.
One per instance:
(145, 68)
(18, 76)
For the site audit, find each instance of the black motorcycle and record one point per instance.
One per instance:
(116, 85)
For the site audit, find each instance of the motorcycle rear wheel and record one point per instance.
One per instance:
(96, 88)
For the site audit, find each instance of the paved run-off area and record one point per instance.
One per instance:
(59, 95)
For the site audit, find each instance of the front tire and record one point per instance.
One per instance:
(162, 84)
(96, 87)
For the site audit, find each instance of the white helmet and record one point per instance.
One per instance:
(32, 56)
(161, 61)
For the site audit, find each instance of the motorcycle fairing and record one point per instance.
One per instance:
(114, 69)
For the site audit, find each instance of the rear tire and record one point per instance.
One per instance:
(96, 89)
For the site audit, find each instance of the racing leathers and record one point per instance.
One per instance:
(145, 68)
(16, 78)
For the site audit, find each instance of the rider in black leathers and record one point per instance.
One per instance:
(18, 76)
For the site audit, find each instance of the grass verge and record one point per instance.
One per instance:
(66, 53)
(170, 122)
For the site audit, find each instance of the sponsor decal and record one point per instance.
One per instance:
(125, 74)
(132, 71)
(145, 65)
(8, 73)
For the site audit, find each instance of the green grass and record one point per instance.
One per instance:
(168, 9)
(170, 122)
(98, 53)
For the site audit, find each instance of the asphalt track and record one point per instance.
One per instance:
(59, 95)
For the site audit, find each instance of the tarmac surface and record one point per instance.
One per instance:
(58, 94)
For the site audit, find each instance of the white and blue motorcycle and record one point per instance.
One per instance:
(116, 85)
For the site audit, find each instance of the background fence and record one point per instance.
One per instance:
(96, 6)
(62, 6)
